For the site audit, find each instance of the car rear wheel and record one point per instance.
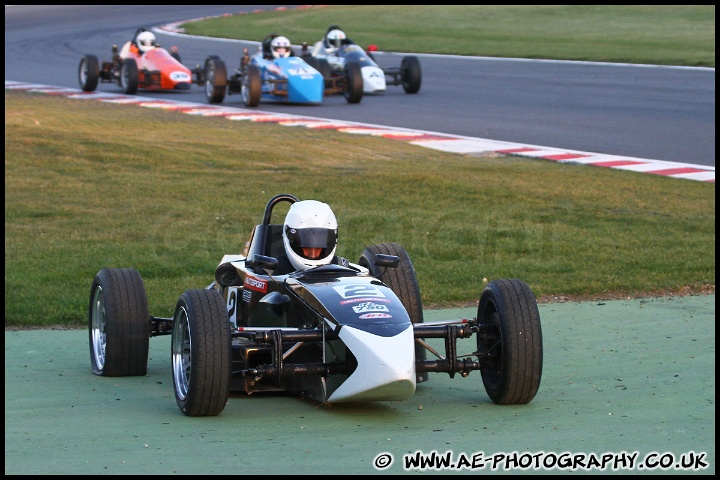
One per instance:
(118, 323)
(410, 74)
(251, 86)
(129, 76)
(89, 73)
(353, 83)
(321, 65)
(201, 353)
(215, 80)
(511, 347)
(401, 280)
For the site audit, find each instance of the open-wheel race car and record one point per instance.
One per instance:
(336, 51)
(275, 73)
(336, 332)
(140, 64)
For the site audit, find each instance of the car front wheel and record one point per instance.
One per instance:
(410, 74)
(510, 347)
(251, 86)
(201, 353)
(118, 323)
(89, 73)
(215, 80)
(129, 76)
(353, 83)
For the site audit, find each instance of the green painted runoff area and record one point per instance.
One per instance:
(620, 377)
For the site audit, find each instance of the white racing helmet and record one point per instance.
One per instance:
(310, 234)
(335, 38)
(280, 47)
(145, 41)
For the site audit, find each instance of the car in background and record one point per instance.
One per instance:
(289, 79)
(335, 51)
(139, 66)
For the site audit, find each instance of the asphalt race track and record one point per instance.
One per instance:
(660, 113)
(619, 377)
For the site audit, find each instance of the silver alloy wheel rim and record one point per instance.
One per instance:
(181, 354)
(209, 80)
(99, 325)
(83, 72)
(124, 77)
(245, 92)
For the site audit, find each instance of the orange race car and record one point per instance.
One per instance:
(140, 63)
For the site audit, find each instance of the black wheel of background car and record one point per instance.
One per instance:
(401, 280)
(312, 61)
(325, 70)
(118, 323)
(512, 372)
(353, 83)
(321, 65)
(410, 74)
(176, 56)
(251, 86)
(215, 80)
(129, 76)
(89, 73)
(201, 353)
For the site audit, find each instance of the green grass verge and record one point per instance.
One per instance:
(91, 185)
(648, 34)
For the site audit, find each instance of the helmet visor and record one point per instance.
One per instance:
(311, 243)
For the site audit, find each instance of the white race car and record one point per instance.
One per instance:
(335, 51)
(334, 333)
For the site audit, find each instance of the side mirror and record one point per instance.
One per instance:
(264, 262)
(390, 261)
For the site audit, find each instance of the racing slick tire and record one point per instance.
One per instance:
(89, 73)
(251, 86)
(118, 323)
(215, 80)
(410, 74)
(353, 90)
(201, 353)
(401, 280)
(129, 76)
(513, 344)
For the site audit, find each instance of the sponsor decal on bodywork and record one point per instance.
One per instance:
(364, 299)
(366, 316)
(256, 284)
(246, 295)
(370, 307)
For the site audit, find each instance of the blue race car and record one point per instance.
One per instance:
(275, 73)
